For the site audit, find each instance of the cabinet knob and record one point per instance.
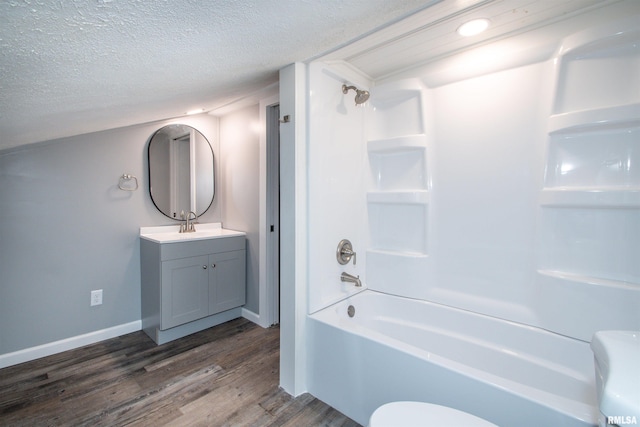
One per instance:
(213, 266)
(204, 266)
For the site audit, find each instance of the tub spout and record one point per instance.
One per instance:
(346, 277)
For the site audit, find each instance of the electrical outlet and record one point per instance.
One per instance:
(96, 297)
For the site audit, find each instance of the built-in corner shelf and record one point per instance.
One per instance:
(398, 227)
(399, 192)
(398, 108)
(599, 119)
(407, 197)
(398, 144)
(399, 164)
(397, 272)
(598, 68)
(588, 222)
(390, 94)
(398, 255)
(588, 280)
(399, 201)
(398, 221)
(595, 198)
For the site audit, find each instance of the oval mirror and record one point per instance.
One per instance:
(181, 174)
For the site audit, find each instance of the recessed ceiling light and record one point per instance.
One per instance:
(198, 111)
(473, 27)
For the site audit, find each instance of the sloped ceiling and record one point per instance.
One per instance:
(78, 66)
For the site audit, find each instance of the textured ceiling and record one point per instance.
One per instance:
(76, 66)
(69, 67)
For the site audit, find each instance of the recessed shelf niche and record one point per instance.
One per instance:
(589, 216)
(397, 110)
(598, 67)
(398, 221)
(597, 243)
(399, 196)
(595, 159)
(399, 163)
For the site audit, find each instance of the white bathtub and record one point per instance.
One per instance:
(396, 348)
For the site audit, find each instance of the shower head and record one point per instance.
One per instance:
(361, 95)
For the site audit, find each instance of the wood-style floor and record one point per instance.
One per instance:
(224, 376)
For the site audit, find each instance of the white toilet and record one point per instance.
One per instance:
(421, 414)
(617, 365)
(617, 361)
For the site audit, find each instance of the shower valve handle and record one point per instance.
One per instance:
(345, 252)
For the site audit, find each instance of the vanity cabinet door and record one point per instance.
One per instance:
(227, 286)
(185, 290)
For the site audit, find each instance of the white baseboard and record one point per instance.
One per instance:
(55, 347)
(253, 317)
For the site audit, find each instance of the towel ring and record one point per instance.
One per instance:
(125, 178)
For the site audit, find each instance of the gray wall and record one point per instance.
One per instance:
(240, 172)
(66, 229)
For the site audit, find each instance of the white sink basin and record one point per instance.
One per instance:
(170, 233)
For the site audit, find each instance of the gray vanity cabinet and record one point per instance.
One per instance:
(185, 282)
(226, 269)
(185, 291)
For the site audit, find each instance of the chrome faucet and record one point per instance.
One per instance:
(346, 277)
(188, 225)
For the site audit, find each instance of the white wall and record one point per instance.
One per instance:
(66, 229)
(337, 161)
(239, 187)
(490, 143)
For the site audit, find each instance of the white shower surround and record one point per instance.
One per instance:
(511, 194)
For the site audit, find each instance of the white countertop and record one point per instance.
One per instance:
(171, 234)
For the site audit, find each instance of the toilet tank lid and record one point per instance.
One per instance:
(618, 355)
